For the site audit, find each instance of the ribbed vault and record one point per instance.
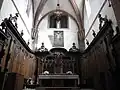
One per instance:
(73, 7)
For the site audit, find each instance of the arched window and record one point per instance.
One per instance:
(61, 23)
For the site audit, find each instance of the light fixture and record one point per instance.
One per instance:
(58, 13)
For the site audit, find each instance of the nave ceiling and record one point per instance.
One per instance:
(72, 7)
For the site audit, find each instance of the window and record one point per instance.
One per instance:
(61, 23)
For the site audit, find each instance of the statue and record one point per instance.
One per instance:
(94, 34)
(3, 25)
(87, 42)
(42, 48)
(10, 18)
(14, 19)
(74, 49)
(101, 19)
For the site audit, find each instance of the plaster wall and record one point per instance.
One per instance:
(46, 34)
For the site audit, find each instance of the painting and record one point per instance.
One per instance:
(58, 39)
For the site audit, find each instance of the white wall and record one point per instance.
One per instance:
(51, 5)
(9, 8)
(95, 8)
(70, 34)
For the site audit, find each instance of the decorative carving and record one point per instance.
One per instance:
(3, 25)
(10, 18)
(42, 48)
(73, 49)
(101, 19)
(87, 42)
(94, 34)
(14, 19)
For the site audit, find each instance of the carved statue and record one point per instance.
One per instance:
(10, 18)
(14, 19)
(3, 25)
(101, 19)
(87, 42)
(74, 49)
(42, 48)
(94, 34)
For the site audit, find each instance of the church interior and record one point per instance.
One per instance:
(59, 44)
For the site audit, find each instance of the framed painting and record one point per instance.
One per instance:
(58, 39)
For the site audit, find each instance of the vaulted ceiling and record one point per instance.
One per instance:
(72, 7)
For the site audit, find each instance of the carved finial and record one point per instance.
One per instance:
(15, 19)
(94, 34)
(22, 33)
(42, 48)
(87, 42)
(101, 19)
(42, 44)
(74, 48)
(17, 14)
(3, 25)
(10, 18)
